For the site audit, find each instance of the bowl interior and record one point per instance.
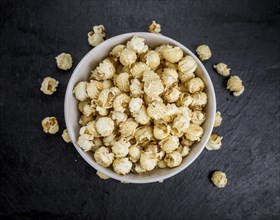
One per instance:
(82, 71)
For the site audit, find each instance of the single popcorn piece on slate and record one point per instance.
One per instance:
(105, 126)
(155, 28)
(219, 179)
(49, 85)
(122, 166)
(173, 159)
(102, 175)
(50, 125)
(214, 142)
(66, 137)
(218, 119)
(203, 52)
(103, 157)
(222, 69)
(96, 36)
(234, 84)
(64, 61)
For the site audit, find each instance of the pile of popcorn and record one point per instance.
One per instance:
(142, 108)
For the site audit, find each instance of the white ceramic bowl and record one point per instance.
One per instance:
(82, 72)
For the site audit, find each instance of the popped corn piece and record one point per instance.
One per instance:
(119, 117)
(122, 166)
(94, 88)
(180, 124)
(99, 29)
(102, 111)
(87, 108)
(219, 179)
(66, 137)
(120, 147)
(169, 77)
(137, 45)
(214, 142)
(171, 112)
(105, 126)
(195, 85)
(105, 98)
(116, 90)
(106, 69)
(152, 59)
(109, 140)
(103, 157)
(141, 116)
(185, 99)
(80, 91)
(136, 88)
(156, 110)
(150, 75)
(85, 119)
(199, 101)
(184, 150)
(95, 75)
(186, 142)
(222, 69)
(138, 168)
(102, 175)
(173, 159)
(172, 94)
(185, 76)
(187, 64)
(85, 142)
(138, 69)
(156, 150)
(122, 81)
(107, 84)
(116, 51)
(95, 38)
(198, 117)
(143, 134)
(97, 143)
(218, 119)
(64, 61)
(128, 57)
(121, 102)
(173, 54)
(161, 48)
(149, 99)
(91, 129)
(169, 144)
(50, 125)
(49, 85)
(161, 164)
(167, 64)
(234, 84)
(128, 127)
(203, 52)
(153, 88)
(161, 130)
(134, 153)
(155, 28)
(135, 104)
(194, 132)
(148, 160)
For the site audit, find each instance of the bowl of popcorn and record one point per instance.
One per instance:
(140, 107)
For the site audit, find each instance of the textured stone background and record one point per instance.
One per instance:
(44, 178)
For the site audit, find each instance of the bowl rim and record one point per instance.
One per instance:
(207, 133)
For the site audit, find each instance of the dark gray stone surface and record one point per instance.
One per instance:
(44, 178)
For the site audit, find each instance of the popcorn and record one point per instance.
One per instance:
(105, 98)
(102, 111)
(122, 166)
(94, 88)
(214, 142)
(173, 54)
(96, 36)
(121, 147)
(198, 117)
(153, 88)
(50, 125)
(169, 144)
(194, 132)
(199, 100)
(150, 75)
(64, 61)
(49, 85)
(138, 168)
(109, 140)
(203, 52)
(134, 153)
(103, 157)
(141, 116)
(137, 44)
(116, 51)
(85, 142)
(85, 119)
(119, 117)
(161, 164)
(106, 69)
(169, 77)
(219, 179)
(105, 126)
(66, 137)
(184, 150)
(181, 124)
(148, 160)
(80, 91)
(187, 65)
(155, 28)
(121, 102)
(135, 104)
(138, 69)
(107, 84)
(173, 159)
(102, 175)
(171, 111)
(161, 130)
(156, 110)
(128, 127)
(234, 84)
(143, 134)
(172, 95)
(195, 85)
(218, 119)
(152, 59)
(91, 129)
(222, 69)
(128, 57)
(136, 88)
(122, 82)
